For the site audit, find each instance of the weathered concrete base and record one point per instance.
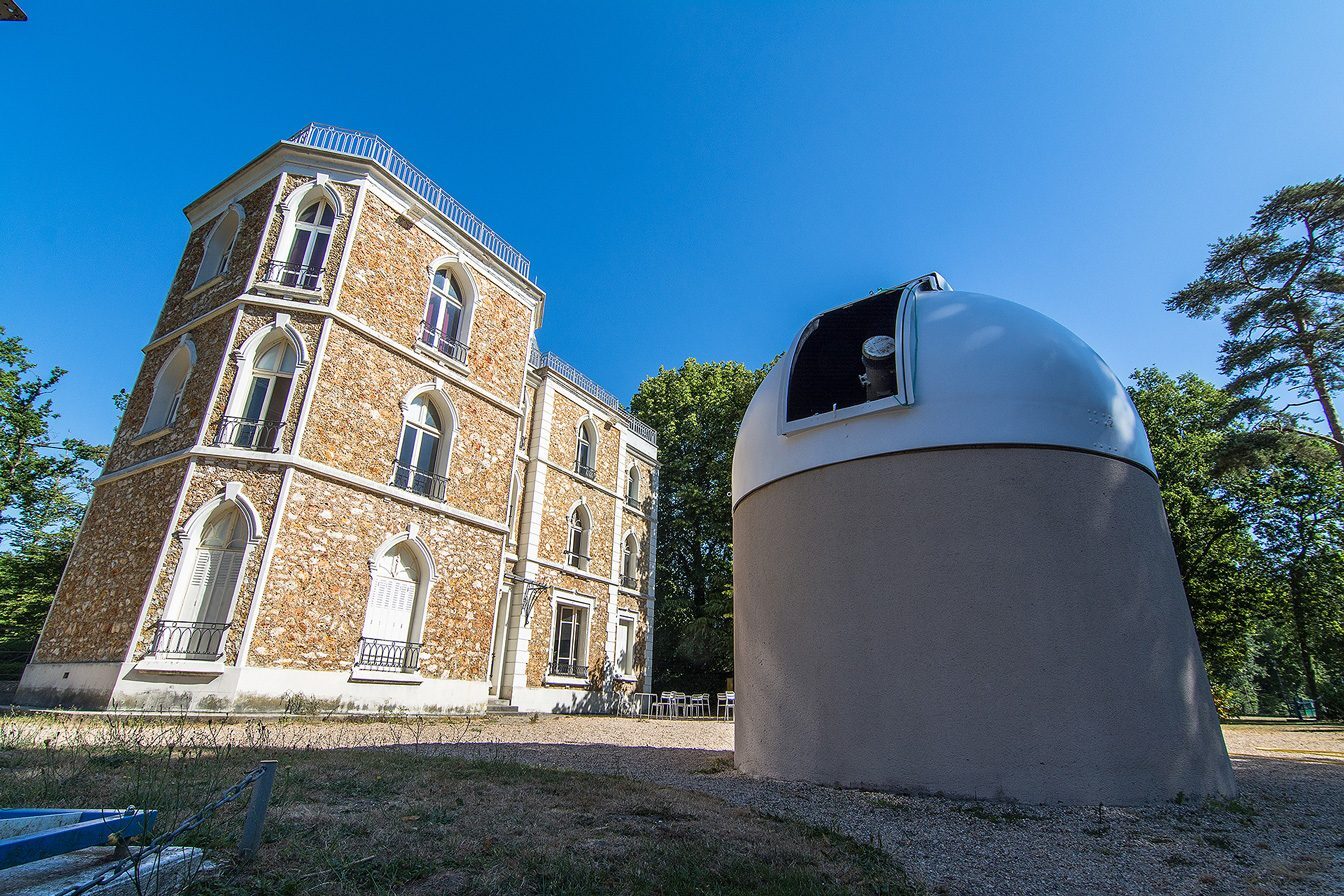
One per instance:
(987, 622)
(579, 701)
(162, 875)
(210, 688)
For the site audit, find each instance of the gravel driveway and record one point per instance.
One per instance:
(1284, 834)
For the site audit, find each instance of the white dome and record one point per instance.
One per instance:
(981, 371)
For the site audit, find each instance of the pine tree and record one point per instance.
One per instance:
(1277, 288)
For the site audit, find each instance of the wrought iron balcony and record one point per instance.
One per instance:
(631, 582)
(295, 276)
(421, 482)
(568, 668)
(632, 501)
(256, 435)
(387, 656)
(442, 343)
(182, 639)
(576, 560)
(587, 471)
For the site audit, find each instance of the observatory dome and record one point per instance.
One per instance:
(969, 369)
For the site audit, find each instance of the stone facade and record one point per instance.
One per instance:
(284, 604)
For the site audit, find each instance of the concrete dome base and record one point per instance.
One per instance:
(992, 622)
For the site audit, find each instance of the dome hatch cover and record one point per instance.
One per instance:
(969, 369)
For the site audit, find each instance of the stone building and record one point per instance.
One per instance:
(346, 477)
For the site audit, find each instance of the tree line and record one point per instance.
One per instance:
(1251, 474)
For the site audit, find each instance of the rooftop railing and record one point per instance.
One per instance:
(552, 361)
(376, 149)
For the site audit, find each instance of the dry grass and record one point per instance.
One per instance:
(348, 819)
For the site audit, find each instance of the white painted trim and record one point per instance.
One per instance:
(264, 571)
(408, 352)
(209, 410)
(313, 468)
(357, 674)
(180, 667)
(351, 230)
(310, 387)
(157, 571)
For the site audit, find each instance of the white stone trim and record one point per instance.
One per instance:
(168, 538)
(361, 190)
(264, 572)
(313, 468)
(450, 374)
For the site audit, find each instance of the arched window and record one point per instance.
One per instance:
(422, 456)
(585, 450)
(197, 617)
(169, 385)
(576, 547)
(444, 326)
(306, 254)
(258, 419)
(630, 562)
(632, 485)
(390, 639)
(219, 245)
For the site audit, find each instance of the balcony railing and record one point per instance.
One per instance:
(568, 668)
(387, 656)
(632, 501)
(295, 276)
(577, 560)
(256, 435)
(587, 471)
(181, 639)
(442, 343)
(631, 582)
(421, 482)
(552, 361)
(375, 149)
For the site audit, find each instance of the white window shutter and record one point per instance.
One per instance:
(391, 603)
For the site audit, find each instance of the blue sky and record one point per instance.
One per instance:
(688, 179)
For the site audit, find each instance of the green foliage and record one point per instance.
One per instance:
(43, 488)
(1277, 288)
(696, 410)
(1257, 522)
(1192, 438)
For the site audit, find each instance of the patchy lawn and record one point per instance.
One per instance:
(353, 820)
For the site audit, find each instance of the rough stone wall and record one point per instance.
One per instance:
(318, 587)
(387, 283)
(563, 489)
(543, 615)
(179, 310)
(211, 340)
(355, 423)
(98, 603)
(253, 319)
(339, 231)
(261, 488)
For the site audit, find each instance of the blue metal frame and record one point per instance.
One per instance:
(94, 828)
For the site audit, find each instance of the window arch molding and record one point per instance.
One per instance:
(455, 265)
(394, 621)
(443, 404)
(216, 257)
(631, 554)
(189, 536)
(166, 394)
(633, 488)
(578, 535)
(234, 428)
(585, 433)
(290, 208)
(411, 538)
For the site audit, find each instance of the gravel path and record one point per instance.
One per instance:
(1283, 835)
